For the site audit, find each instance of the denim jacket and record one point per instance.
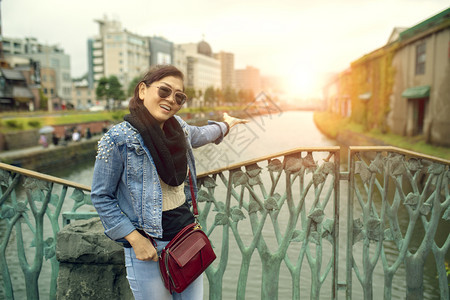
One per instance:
(126, 190)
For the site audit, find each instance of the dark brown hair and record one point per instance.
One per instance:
(155, 73)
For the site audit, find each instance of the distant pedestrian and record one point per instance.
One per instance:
(88, 133)
(67, 135)
(43, 141)
(55, 139)
(76, 136)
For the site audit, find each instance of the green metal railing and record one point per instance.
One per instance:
(31, 203)
(276, 219)
(390, 186)
(281, 208)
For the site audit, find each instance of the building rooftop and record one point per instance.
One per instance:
(12, 74)
(204, 48)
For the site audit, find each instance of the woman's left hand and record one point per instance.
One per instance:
(231, 121)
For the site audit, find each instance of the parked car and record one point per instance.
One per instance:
(97, 108)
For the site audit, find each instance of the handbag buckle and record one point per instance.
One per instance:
(197, 224)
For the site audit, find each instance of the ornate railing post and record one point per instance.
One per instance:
(392, 186)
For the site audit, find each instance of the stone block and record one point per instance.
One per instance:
(91, 265)
(92, 282)
(83, 241)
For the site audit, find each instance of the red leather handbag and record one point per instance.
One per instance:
(187, 255)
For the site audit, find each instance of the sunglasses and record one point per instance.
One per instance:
(165, 91)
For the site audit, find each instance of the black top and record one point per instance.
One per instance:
(172, 222)
(176, 219)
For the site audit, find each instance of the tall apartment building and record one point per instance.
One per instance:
(202, 69)
(227, 68)
(49, 57)
(161, 51)
(248, 79)
(116, 51)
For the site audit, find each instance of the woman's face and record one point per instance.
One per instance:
(161, 108)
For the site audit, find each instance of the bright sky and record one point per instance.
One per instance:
(301, 40)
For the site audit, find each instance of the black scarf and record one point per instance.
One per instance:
(167, 146)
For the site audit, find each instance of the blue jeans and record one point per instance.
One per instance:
(146, 283)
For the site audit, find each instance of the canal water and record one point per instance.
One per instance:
(266, 135)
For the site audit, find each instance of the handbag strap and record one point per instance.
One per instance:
(194, 203)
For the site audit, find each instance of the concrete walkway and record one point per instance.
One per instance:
(11, 154)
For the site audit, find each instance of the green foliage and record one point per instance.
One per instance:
(115, 89)
(190, 92)
(34, 123)
(14, 124)
(372, 73)
(102, 88)
(219, 96)
(132, 86)
(43, 104)
(118, 115)
(230, 95)
(246, 96)
(210, 96)
(110, 88)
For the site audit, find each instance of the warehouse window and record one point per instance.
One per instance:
(420, 59)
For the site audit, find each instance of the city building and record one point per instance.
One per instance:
(421, 91)
(50, 57)
(180, 59)
(49, 85)
(227, 68)
(83, 95)
(402, 87)
(14, 91)
(248, 79)
(337, 93)
(161, 51)
(116, 51)
(31, 71)
(202, 69)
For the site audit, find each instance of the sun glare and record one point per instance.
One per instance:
(301, 80)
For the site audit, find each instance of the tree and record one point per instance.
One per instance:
(190, 92)
(209, 96)
(102, 88)
(115, 89)
(110, 88)
(246, 96)
(219, 96)
(43, 103)
(132, 86)
(250, 96)
(199, 95)
(229, 95)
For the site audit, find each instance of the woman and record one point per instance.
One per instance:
(140, 184)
